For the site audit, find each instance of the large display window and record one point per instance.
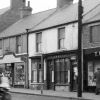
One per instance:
(92, 67)
(19, 74)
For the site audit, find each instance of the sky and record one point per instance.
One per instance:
(37, 5)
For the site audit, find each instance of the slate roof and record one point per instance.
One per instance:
(2, 11)
(70, 14)
(54, 17)
(26, 23)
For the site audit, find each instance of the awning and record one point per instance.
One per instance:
(10, 59)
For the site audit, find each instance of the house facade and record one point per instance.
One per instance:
(13, 59)
(56, 48)
(91, 53)
(14, 46)
(53, 49)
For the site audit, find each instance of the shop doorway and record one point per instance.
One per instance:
(9, 72)
(75, 76)
(49, 75)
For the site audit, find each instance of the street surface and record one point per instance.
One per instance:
(33, 97)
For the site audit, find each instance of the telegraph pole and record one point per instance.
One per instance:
(80, 11)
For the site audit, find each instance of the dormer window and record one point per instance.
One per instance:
(61, 38)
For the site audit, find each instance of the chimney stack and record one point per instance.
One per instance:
(61, 3)
(16, 4)
(25, 11)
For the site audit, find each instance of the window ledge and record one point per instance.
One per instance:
(62, 84)
(21, 54)
(36, 83)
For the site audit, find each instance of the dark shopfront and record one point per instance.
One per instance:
(91, 63)
(62, 71)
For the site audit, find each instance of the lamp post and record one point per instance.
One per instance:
(27, 69)
(80, 11)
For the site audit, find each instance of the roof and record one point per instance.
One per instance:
(69, 14)
(26, 23)
(53, 17)
(2, 11)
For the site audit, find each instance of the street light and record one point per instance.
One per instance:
(80, 11)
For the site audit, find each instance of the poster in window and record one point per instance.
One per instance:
(91, 74)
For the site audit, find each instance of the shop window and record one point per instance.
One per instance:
(18, 44)
(38, 42)
(61, 38)
(19, 74)
(95, 33)
(92, 68)
(36, 71)
(61, 71)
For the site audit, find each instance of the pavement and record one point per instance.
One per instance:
(60, 94)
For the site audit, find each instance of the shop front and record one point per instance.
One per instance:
(14, 69)
(55, 71)
(61, 71)
(91, 63)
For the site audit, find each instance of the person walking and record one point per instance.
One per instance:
(97, 80)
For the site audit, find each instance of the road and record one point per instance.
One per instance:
(33, 97)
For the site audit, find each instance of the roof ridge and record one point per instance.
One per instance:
(44, 19)
(91, 9)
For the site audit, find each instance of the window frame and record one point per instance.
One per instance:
(39, 42)
(59, 72)
(91, 33)
(18, 45)
(61, 39)
(37, 69)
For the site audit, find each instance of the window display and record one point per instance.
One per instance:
(19, 74)
(90, 74)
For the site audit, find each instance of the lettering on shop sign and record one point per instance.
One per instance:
(97, 53)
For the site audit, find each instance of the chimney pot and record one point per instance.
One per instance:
(61, 3)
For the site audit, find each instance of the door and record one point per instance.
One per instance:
(9, 72)
(75, 76)
(49, 75)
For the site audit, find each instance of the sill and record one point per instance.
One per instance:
(61, 84)
(19, 54)
(62, 49)
(35, 83)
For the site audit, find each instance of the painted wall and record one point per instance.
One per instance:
(50, 40)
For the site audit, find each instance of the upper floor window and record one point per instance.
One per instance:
(18, 44)
(0, 47)
(61, 37)
(38, 42)
(95, 33)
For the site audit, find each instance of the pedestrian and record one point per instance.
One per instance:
(97, 80)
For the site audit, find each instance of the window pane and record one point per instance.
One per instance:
(40, 75)
(95, 33)
(57, 71)
(18, 43)
(62, 76)
(34, 75)
(0, 44)
(61, 33)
